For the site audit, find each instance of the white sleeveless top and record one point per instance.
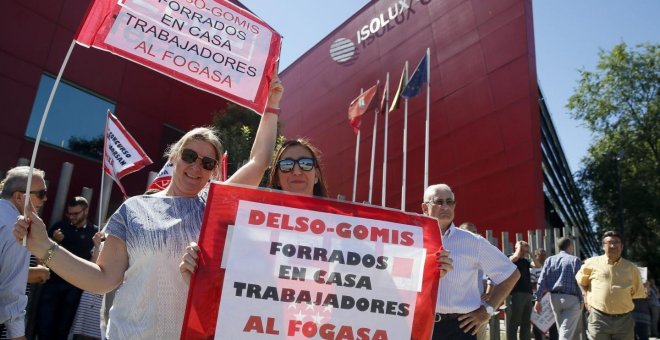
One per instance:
(151, 302)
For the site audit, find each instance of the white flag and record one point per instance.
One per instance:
(121, 153)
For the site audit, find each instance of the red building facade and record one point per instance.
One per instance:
(485, 139)
(155, 109)
(485, 133)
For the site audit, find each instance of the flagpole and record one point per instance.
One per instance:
(428, 101)
(357, 154)
(373, 151)
(41, 129)
(387, 116)
(105, 139)
(405, 146)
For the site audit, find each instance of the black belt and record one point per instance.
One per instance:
(610, 315)
(560, 292)
(444, 317)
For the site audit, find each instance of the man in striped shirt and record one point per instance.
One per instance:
(460, 310)
(558, 279)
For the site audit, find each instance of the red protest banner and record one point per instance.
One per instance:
(209, 44)
(289, 266)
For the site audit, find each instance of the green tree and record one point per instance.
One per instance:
(619, 102)
(91, 147)
(237, 127)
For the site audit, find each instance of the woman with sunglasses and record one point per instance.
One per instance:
(296, 169)
(147, 235)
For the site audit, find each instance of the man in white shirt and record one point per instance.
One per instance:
(459, 309)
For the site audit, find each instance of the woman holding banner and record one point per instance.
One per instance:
(297, 169)
(148, 233)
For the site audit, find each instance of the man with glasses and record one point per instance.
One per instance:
(59, 299)
(460, 311)
(14, 258)
(610, 283)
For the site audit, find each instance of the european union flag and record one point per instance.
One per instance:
(417, 80)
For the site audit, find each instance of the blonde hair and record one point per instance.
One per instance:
(204, 134)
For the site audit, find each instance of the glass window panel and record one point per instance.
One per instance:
(76, 120)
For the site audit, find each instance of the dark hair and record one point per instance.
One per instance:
(78, 201)
(563, 243)
(538, 251)
(612, 233)
(320, 189)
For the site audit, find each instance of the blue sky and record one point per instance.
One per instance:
(568, 35)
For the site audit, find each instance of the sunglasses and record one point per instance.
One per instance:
(448, 202)
(190, 156)
(305, 164)
(41, 194)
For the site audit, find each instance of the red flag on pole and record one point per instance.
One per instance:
(235, 62)
(121, 153)
(383, 100)
(359, 106)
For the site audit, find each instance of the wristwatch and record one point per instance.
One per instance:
(489, 309)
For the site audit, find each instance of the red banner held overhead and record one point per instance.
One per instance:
(289, 267)
(209, 44)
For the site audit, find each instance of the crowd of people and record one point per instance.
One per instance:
(607, 288)
(148, 246)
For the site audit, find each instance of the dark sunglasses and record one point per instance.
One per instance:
(190, 156)
(448, 202)
(305, 164)
(41, 194)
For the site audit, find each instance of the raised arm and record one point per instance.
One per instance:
(99, 278)
(264, 141)
(518, 253)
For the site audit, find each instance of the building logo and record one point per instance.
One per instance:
(342, 50)
(345, 51)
